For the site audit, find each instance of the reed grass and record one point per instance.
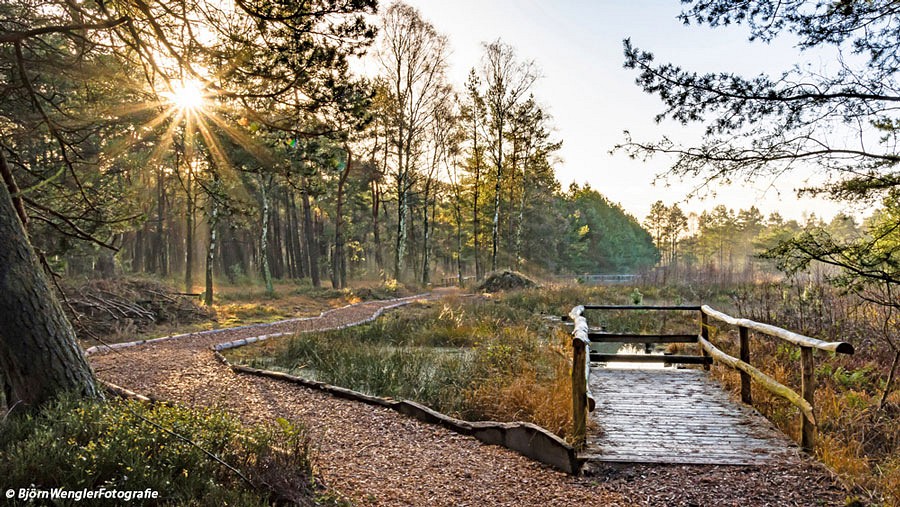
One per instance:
(489, 359)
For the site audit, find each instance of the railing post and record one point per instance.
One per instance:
(704, 332)
(579, 391)
(746, 395)
(808, 392)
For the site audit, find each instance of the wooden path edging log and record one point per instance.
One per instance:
(527, 439)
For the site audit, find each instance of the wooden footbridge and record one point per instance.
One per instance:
(624, 413)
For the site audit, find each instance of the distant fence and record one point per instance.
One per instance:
(449, 281)
(598, 279)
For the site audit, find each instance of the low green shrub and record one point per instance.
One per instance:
(121, 445)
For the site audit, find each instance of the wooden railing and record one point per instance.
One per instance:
(583, 402)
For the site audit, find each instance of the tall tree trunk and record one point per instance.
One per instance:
(39, 356)
(211, 252)
(139, 248)
(338, 267)
(376, 228)
(264, 238)
(377, 192)
(189, 234)
(459, 245)
(161, 247)
(277, 250)
(290, 234)
(400, 250)
(311, 248)
(476, 219)
(495, 225)
(520, 221)
(302, 264)
(425, 237)
(511, 201)
(402, 212)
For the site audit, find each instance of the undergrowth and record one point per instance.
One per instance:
(858, 425)
(119, 445)
(488, 359)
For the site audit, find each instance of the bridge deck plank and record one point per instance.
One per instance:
(673, 415)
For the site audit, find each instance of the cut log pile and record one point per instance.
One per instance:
(122, 306)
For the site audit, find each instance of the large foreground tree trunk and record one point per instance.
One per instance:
(39, 356)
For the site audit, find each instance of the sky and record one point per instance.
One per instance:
(577, 44)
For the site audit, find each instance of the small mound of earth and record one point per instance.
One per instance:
(506, 280)
(100, 308)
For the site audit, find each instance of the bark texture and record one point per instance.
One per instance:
(39, 356)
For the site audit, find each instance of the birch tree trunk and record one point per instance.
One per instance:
(211, 252)
(264, 238)
(189, 234)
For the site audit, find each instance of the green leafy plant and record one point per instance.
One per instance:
(190, 456)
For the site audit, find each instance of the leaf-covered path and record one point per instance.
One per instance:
(375, 456)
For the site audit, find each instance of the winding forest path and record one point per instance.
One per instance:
(376, 456)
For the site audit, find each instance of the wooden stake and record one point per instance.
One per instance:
(808, 392)
(746, 395)
(704, 332)
(579, 391)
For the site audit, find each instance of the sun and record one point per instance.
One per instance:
(187, 95)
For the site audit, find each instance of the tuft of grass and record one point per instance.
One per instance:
(232, 314)
(74, 444)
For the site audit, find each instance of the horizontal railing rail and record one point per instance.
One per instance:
(688, 308)
(777, 332)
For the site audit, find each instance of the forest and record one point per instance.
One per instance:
(220, 173)
(252, 161)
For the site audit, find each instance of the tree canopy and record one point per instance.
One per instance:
(156, 136)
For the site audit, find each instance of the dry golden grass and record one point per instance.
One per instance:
(856, 440)
(528, 397)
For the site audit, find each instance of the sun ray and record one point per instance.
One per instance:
(119, 146)
(214, 146)
(189, 131)
(167, 139)
(135, 108)
(253, 147)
